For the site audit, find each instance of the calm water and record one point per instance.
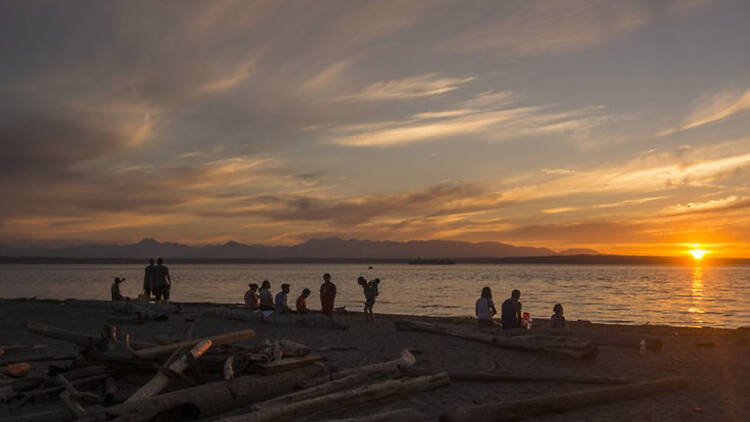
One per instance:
(691, 296)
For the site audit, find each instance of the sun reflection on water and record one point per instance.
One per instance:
(696, 296)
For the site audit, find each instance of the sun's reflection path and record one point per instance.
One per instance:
(696, 296)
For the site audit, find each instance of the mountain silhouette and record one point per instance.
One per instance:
(328, 248)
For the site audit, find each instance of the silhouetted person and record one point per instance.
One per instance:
(557, 320)
(371, 293)
(511, 311)
(252, 298)
(327, 296)
(301, 304)
(280, 303)
(116, 295)
(266, 298)
(161, 281)
(148, 283)
(485, 308)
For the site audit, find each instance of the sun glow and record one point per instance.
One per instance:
(698, 253)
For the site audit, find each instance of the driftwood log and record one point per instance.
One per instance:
(401, 415)
(561, 402)
(80, 339)
(160, 380)
(342, 399)
(406, 360)
(216, 340)
(505, 377)
(574, 348)
(630, 341)
(306, 320)
(152, 312)
(192, 403)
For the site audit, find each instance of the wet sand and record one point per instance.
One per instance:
(715, 360)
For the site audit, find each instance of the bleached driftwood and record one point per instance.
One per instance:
(217, 340)
(160, 380)
(559, 346)
(80, 339)
(406, 360)
(504, 377)
(342, 399)
(306, 320)
(561, 402)
(200, 401)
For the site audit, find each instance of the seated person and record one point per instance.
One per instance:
(511, 311)
(252, 298)
(485, 308)
(301, 304)
(280, 303)
(557, 320)
(265, 296)
(116, 295)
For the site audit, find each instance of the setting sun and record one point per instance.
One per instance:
(698, 253)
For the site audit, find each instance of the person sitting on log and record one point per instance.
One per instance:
(485, 308)
(511, 311)
(280, 304)
(252, 299)
(116, 295)
(301, 304)
(266, 298)
(557, 320)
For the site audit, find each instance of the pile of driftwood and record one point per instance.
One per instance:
(114, 378)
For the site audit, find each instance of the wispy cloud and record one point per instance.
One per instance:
(420, 86)
(710, 109)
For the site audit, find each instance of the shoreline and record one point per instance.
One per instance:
(715, 360)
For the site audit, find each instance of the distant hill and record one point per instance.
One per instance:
(329, 248)
(578, 251)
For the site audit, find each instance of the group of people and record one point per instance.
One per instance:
(261, 299)
(156, 282)
(511, 316)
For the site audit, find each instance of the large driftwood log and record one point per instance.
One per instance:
(561, 402)
(406, 360)
(152, 312)
(217, 340)
(160, 380)
(306, 320)
(504, 377)
(401, 415)
(341, 399)
(626, 340)
(124, 305)
(558, 346)
(197, 402)
(80, 339)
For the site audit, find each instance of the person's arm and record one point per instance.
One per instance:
(476, 308)
(169, 279)
(518, 313)
(492, 308)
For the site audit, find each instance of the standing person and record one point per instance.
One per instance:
(148, 282)
(116, 295)
(252, 298)
(161, 281)
(327, 296)
(266, 298)
(280, 304)
(371, 292)
(485, 308)
(301, 304)
(511, 309)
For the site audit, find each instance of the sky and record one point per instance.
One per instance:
(618, 126)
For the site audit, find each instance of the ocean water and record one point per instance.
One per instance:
(686, 296)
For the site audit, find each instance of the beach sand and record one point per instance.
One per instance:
(715, 360)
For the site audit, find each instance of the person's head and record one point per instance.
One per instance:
(119, 280)
(151, 261)
(285, 288)
(159, 261)
(558, 309)
(516, 294)
(253, 287)
(265, 285)
(361, 281)
(305, 292)
(486, 293)
(326, 277)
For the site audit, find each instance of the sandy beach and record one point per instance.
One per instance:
(714, 360)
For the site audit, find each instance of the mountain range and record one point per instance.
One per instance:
(328, 248)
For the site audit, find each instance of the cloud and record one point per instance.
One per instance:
(532, 27)
(420, 86)
(714, 108)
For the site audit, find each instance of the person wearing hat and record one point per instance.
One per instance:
(116, 295)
